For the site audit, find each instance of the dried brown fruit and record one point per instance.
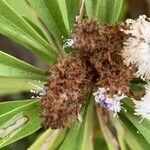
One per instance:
(102, 46)
(64, 92)
(98, 62)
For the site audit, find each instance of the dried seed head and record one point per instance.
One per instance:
(88, 35)
(98, 62)
(101, 47)
(64, 92)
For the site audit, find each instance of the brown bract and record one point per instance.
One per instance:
(64, 92)
(102, 47)
(98, 62)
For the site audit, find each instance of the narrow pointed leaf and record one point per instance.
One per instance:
(50, 13)
(120, 131)
(11, 105)
(28, 14)
(79, 135)
(69, 10)
(104, 11)
(132, 137)
(90, 6)
(51, 139)
(13, 67)
(36, 28)
(19, 121)
(137, 139)
(110, 138)
(73, 10)
(63, 10)
(20, 31)
(117, 10)
(27, 11)
(9, 85)
(143, 128)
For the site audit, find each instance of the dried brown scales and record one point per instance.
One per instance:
(98, 62)
(64, 92)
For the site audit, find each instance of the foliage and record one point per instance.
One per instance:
(41, 33)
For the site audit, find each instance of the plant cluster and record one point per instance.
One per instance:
(96, 86)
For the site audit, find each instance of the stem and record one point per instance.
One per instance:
(79, 17)
(108, 135)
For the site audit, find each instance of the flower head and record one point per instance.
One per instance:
(109, 103)
(137, 46)
(64, 92)
(142, 108)
(100, 47)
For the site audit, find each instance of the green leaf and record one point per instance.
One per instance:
(113, 10)
(27, 11)
(50, 13)
(123, 10)
(59, 21)
(90, 6)
(15, 27)
(132, 142)
(63, 10)
(18, 120)
(120, 131)
(110, 138)
(51, 139)
(36, 28)
(31, 17)
(69, 9)
(143, 128)
(18, 76)
(79, 135)
(104, 11)
(132, 136)
(13, 67)
(72, 10)
(9, 85)
(11, 105)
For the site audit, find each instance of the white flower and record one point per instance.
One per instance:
(142, 107)
(68, 43)
(37, 90)
(109, 103)
(137, 47)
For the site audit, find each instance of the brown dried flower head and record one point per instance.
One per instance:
(64, 92)
(98, 62)
(102, 46)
